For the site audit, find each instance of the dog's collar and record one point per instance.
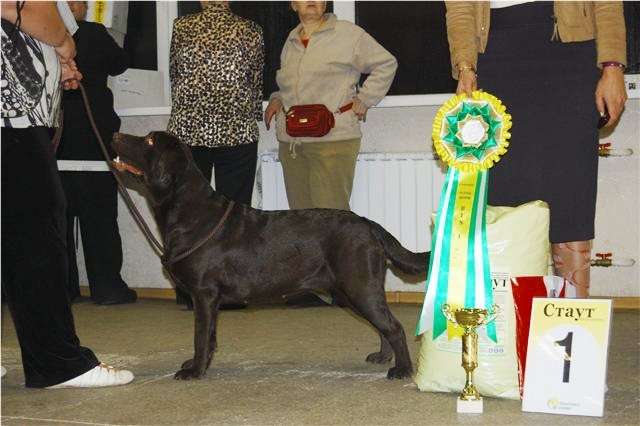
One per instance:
(166, 261)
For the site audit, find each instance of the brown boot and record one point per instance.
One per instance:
(572, 260)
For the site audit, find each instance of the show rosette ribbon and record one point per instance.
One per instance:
(469, 135)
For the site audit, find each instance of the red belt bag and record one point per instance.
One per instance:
(314, 120)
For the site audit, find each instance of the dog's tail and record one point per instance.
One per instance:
(403, 259)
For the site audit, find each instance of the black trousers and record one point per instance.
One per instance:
(34, 260)
(92, 197)
(235, 169)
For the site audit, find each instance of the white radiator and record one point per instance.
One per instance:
(397, 190)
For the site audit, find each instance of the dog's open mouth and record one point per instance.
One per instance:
(125, 167)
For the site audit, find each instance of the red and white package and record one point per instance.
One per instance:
(524, 290)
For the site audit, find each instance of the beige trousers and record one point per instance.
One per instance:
(319, 174)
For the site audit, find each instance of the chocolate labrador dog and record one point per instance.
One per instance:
(221, 252)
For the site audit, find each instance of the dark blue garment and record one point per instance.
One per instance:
(548, 87)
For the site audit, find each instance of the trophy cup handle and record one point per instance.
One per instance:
(448, 313)
(491, 315)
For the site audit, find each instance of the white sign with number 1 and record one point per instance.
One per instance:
(567, 356)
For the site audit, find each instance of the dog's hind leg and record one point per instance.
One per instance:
(373, 307)
(385, 354)
(205, 313)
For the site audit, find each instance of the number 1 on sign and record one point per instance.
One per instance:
(566, 342)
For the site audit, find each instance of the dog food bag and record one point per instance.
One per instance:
(524, 290)
(518, 243)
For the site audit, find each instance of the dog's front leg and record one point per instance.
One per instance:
(203, 322)
(212, 339)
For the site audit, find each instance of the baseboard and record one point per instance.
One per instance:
(392, 296)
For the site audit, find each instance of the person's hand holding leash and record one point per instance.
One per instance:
(69, 75)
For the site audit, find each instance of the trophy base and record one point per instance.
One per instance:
(469, 406)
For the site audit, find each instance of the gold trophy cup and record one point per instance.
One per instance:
(469, 319)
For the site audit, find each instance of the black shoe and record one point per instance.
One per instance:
(305, 300)
(126, 295)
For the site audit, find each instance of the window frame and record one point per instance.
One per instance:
(167, 12)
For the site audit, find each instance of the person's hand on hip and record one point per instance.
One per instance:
(359, 109)
(274, 106)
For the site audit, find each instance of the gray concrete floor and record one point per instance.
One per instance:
(274, 366)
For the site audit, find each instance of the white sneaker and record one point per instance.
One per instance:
(100, 376)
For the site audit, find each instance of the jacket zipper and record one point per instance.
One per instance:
(298, 71)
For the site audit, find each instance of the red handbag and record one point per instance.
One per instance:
(314, 120)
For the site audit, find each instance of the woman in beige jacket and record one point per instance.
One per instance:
(321, 63)
(558, 67)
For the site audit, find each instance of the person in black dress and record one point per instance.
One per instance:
(558, 67)
(92, 197)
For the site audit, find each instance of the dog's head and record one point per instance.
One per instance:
(157, 161)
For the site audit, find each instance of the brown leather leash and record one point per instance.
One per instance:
(169, 261)
(156, 246)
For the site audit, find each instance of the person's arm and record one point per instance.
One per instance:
(373, 59)
(258, 65)
(117, 57)
(173, 51)
(40, 20)
(611, 45)
(275, 99)
(611, 33)
(461, 34)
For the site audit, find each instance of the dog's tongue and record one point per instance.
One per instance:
(122, 166)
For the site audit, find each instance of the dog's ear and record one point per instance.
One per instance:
(167, 169)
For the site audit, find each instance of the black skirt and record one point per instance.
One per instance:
(548, 87)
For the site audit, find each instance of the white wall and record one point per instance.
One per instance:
(407, 129)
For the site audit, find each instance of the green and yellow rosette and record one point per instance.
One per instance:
(470, 134)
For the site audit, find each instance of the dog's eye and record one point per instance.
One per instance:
(149, 141)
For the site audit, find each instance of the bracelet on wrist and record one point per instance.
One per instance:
(613, 64)
(464, 68)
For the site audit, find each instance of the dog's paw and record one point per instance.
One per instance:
(187, 364)
(399, 373)
(379, 358)
(188, 374)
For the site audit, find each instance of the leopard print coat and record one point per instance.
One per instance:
(216, 62)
